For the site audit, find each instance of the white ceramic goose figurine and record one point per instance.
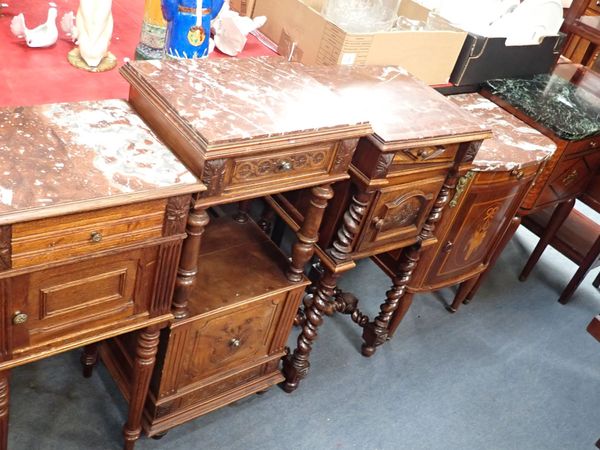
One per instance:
(94, 27)
(44, 35)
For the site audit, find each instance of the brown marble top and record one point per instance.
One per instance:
(400, 107)
(514, 145)
(232, 100)
(69, 157)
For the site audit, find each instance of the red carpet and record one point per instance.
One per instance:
(32, 76)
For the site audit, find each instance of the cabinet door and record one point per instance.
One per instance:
(398, 213)
(486, 208)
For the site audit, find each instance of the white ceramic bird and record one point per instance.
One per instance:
(44, 35)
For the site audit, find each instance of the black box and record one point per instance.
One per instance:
(483, 59)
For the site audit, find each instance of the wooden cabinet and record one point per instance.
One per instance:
(242, 311)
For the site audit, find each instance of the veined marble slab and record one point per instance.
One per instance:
(514, 145)
(81, 153)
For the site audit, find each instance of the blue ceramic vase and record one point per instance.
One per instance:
(188, 28)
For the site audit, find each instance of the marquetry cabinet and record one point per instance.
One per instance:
(92, 217)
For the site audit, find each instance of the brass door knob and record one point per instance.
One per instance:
(517, 173)
(19, 318)
(284, 166)
(95, 236)
(448, 247)
(235, 343)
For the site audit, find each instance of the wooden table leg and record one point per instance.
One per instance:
(243, 211)
(188, 264)
(584, 268)
(89, 358)
(4, 400)
(308, 234)
(147, 346)
(465, 288)
(560, 214)
(405, 302)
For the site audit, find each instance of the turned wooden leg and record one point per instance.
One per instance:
(296, 365)
(147, 346)
(188, 264)
(243, 210)
(584, 267)
(266, 220)
(308, 234)
(405, 302)
(506, 237)
(376, 332)
(463, 291)
(560, 214)
(89, 358)
(4, 400)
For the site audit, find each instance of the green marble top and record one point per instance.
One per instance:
(573, 113)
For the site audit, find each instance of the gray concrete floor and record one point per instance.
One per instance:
(512, 370)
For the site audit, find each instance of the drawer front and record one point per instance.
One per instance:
(435, 154)
(301, 162)
(399, 212)
(225, 340)
(60, 238)
(77, 298)
(570, 177)
(584, 146)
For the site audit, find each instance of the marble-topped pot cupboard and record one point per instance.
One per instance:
(92, 218)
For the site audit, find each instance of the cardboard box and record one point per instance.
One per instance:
(483, 59)
(244, 7)
(302, 34)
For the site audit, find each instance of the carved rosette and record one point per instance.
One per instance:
(5, 247)
(271, 166)
(213, 176)
(343, 156)
(176, 214)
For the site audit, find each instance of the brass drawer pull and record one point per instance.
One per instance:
(96, 236)
(235, 343)
(448, 247)
(284, 166)
(570, 177)
(461, 185)
(19, 318)
(519, 174)
(378, 223)
(594, 144)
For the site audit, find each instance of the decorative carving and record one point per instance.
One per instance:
(343, 156)
(570, 177)
(213, 176)
(347, 303)
(383, 163)
(269, 166)
(346, 235)
(481, 230)
(438, 207)
(308, 234)
(164, 284)
(471, 152)
(462, 184)
(176, 214)
(403, 211)
(5, 247)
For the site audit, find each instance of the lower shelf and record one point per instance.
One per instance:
(230, 347)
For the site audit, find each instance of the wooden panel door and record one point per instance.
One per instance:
(486, 209)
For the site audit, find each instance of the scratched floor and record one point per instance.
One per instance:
(513, 370)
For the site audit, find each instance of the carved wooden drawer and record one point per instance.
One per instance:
(60, 238)
(399, 212)
(569, 177)
(47, 305)
(430, 154)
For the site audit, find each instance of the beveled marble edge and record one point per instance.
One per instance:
(44, 212)
(228, 146)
